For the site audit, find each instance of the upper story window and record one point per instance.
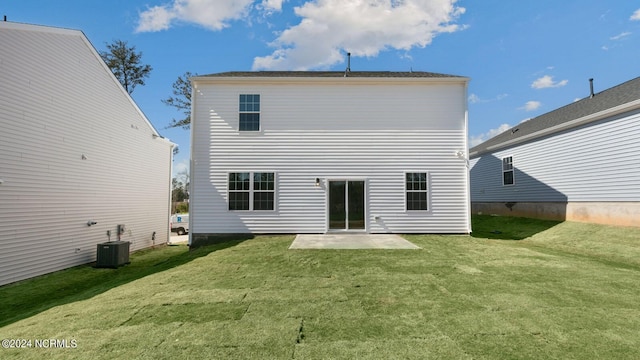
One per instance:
(417, 191)
(507, 171)
(249, 112)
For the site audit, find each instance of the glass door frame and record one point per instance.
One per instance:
(365, 204)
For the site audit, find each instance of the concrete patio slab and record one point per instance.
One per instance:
(351, 241)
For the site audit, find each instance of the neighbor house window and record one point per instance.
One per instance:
(507, 171)
(249, 112)
(417, 191)
(252, 191)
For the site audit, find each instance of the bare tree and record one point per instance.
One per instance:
(180, 192)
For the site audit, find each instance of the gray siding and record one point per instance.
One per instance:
(598, 162)
(332, 130)
(74, 148)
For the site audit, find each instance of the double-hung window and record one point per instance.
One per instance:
(417, 191)
(263, 191)
(252, 191)
(249, 118)
(507, 171)
(239, 191)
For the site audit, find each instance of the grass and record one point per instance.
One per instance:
(515, 289)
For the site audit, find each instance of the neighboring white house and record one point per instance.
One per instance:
(580, 162)
(77, 156)
(318, 152)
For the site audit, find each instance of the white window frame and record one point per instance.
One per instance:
(511, 170)
(259, 112)
(427, 191)
(252, 191)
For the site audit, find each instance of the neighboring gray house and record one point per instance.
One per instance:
(74, 150)
(318, 152)
(580, 162)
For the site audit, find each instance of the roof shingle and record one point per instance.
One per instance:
(618, 95)
(330, 74)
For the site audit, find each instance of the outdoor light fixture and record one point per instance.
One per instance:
(317, 181)
(462, 155)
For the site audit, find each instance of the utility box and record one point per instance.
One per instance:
(113, 254)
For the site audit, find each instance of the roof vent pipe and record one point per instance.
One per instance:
(5, 18)
(348, 69)
(591, 87)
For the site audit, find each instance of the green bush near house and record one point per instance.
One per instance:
(515, 289)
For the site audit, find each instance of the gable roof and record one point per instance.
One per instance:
(334, 74)
(613, 101)
(22, 35)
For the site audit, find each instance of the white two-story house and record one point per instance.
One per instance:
(320, 152)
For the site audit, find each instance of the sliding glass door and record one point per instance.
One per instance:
(346, 205)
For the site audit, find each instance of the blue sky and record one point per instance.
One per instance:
(524, 57)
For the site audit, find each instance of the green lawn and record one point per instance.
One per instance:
(515, 289)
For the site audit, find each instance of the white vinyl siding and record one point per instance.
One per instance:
(594, 162)
(74, 148)
(332, 131)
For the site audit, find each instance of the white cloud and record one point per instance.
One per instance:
(156, 18)
(620, 36)
(635, 16)
(180, 167)
(547, 82)
(548, 68)
(473, 98)
(274, 5)
(531, 105)
(478, 139)
(211, 14)
(328, 28)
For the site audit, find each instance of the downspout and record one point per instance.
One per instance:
(466, 155)
(192, 178)
(170, 204)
